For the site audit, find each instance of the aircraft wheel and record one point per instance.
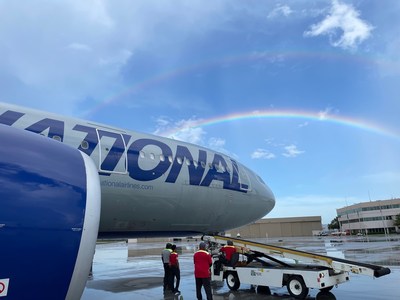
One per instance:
(232, 281)
(296, 287)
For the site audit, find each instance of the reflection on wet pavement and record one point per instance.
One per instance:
(139, 275)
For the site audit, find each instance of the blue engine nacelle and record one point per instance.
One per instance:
(49, 217)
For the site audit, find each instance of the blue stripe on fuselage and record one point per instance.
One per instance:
(198, 175)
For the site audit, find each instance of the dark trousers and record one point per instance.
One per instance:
(206, 282)
(167, 277)
(175, 273)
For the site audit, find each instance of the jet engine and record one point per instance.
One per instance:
(49, 217)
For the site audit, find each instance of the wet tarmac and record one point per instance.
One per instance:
(134, 270)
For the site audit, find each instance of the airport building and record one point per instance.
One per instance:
(279, 227)
(369, 217)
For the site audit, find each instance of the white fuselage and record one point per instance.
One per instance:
(155, 186)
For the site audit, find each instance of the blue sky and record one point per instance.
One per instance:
(330, 70)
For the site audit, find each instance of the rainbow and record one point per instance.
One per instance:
(267, 57)
(287, 114)
(228, 61)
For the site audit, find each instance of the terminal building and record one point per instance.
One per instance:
(369, 217)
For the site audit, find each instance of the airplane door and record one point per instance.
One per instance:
(112, 152)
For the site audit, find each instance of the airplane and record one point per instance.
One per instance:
(149, 185)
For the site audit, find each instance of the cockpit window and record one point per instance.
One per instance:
(260, 179)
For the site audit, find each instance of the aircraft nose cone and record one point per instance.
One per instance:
(263, 198)
(267, 199)
(259, 201)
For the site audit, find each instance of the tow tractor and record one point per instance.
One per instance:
(265, 265)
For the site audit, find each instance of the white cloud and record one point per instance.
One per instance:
(162, 122)
(305, 124)
(280, 10)
(269, 140)
(189, 131)
(292, 151)
(323, 114)
(262, 154)
(266, 56)
(79, 47)
(273, 143)
(96, 11)
(86, 45)
(216, 142)
(183, 130)
(343, 21)
(192, 135)
(118, 58)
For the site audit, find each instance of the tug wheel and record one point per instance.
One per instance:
(232, 281)
(296, 287)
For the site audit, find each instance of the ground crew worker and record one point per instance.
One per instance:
(175, 271)
(228, 251)
(165, 255)
(202, 263)
(225, 256)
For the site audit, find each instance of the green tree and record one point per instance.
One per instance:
(397, 220)
(334, 224)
